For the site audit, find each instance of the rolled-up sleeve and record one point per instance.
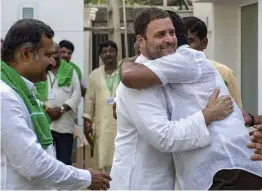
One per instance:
(151, 120)
(180, 67)
(75, 97)
(25, 154)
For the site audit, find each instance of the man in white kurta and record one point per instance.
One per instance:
(196, 169)
(27, 155)
(66, 98)
(145, 134)
(99, 99)
(192, 80)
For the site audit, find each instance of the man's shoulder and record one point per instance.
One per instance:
(131, 93)
(74, 65)
(222, 69)
(96, 71)
(189, 53)
(7, 93)
(131, 59)
(5, 89)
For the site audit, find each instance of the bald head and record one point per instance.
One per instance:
(56, 54)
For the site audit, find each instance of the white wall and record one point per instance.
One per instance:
(205, 12)
(228, 37)
(65, 17)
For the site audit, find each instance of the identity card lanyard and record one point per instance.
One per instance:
(111, 85)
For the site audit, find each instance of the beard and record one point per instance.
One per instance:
(154, 51)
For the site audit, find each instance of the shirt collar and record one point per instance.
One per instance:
(183, 46)
(141, 58)
(29, 84)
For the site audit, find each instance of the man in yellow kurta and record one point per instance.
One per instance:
(99, 99)
(197, 39)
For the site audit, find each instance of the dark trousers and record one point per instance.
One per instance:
(63, 144)
(236, 180)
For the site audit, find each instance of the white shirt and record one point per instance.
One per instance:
(192, 80)
(146, 137)
(24, 164)
(70, 95)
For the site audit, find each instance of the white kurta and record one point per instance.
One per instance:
(192, 80)
(70, 95)
(97, 110)
(24, 164)
(146, 137)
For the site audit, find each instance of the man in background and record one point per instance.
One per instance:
(197, 39)
(66, 51)
(99, 99)
(61, 95)
(27, 154)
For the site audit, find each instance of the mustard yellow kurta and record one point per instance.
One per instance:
(101, 114)
(229, 76)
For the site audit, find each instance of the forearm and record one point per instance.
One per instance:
(165, 135)
(47, 170)
(137, 76)
(83, 91)
(28, 158)
(182, 135)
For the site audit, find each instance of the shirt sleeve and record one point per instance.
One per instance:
(180, 67)
(75, 97)
(148, 115)
(25, 154)
(89, 103)
(83, 82)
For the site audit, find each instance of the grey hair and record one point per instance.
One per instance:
(30, 46)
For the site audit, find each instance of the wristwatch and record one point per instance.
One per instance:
(253, 121)
(62, 109)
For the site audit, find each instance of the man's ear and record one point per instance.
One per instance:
(25, 54)
(140, 40)
(204, 43)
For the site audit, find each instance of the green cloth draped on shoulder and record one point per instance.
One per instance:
(77, 69)
(65, 75)
(39, 118)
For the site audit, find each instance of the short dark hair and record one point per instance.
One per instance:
(67, 44)
(145, 17)
(23, 32)
(196, 25)
(181, 31)
(107, 44)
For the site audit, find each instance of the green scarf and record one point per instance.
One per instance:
(77, 69)
(65, 74)
(39, 118)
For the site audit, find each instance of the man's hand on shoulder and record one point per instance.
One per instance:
(217, 108)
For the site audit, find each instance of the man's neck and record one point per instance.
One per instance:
(54, 71)
(109, 69)
(19, 69)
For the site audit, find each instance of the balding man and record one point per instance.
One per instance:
(61, 94)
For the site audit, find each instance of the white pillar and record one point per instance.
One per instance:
(89, 16)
